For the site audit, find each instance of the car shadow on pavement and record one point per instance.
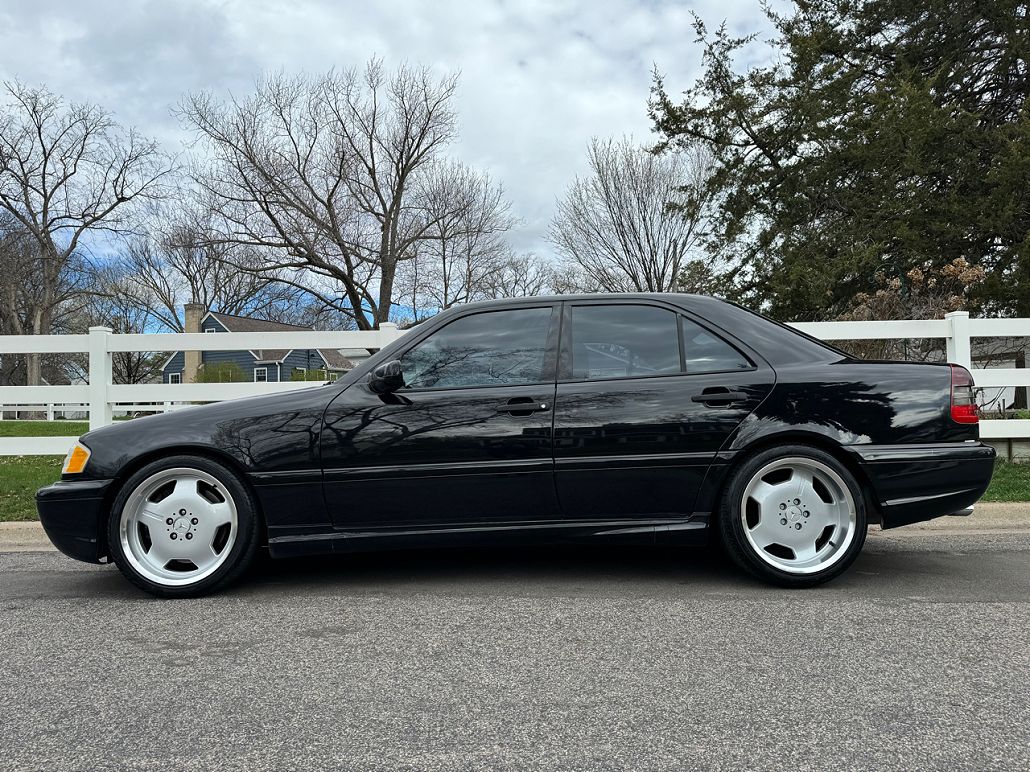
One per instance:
(919, 567)
(557, 569)
(900, 568)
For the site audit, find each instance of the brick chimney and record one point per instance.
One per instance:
(193, 313)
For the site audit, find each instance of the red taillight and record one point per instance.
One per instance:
(963, 405)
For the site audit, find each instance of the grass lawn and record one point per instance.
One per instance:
(43, 428)
(1011, 482)
(21, 476)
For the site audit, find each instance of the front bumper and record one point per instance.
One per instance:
(912, 483)
(73, 514)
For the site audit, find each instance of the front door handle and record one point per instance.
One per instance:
(719, 395)
(523, 406)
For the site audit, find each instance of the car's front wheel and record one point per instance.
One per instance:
(183, 526)
(793, 515)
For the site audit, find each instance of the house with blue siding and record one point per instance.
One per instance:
(260, 365)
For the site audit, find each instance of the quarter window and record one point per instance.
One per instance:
(623, 341)
(705, 353)
(495, 348)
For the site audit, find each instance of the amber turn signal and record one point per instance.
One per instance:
(76, 459)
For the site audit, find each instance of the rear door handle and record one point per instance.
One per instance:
(719, 395)
(523, 406)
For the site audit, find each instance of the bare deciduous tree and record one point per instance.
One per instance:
(617, 224)
(464, 253)
(22, 291)
(326, 173)
(520, 276)
(111, 303)
(178, 261)
(65, 171)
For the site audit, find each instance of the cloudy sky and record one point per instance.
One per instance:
(538, 79)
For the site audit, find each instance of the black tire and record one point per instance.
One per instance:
(242, 552)
(731, 523)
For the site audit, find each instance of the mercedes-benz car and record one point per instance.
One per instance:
(656, 418)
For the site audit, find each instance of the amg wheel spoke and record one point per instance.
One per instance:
(161, 551)
(152, 518)
(802, 480)
(220, 514)
(822, 517)
(765, 495)
(766, 533)
(805, 551)
(201, 553)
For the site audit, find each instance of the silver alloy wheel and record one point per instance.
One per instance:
(798, 515)
(178, 526)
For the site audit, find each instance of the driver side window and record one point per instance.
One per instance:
(494, 348)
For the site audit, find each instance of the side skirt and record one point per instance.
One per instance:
(680, 531)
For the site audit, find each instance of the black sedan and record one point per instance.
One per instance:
(651, 418)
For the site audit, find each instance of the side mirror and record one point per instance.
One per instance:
(386, 378)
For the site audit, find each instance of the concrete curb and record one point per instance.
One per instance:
(24, 537)
(28, 536)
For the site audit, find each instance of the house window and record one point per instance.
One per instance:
(260, 374)
(175, 377)
(210, 329)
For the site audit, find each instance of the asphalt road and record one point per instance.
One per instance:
(563, 658)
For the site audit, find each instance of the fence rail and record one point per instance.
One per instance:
(100, 396)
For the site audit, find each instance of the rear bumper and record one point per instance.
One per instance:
(72, 513)
(912, 483)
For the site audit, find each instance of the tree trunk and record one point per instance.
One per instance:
(33, 370)
(41, 324)
(385, 293)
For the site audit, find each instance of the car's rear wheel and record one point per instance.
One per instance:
(183, 526)
(793, 515)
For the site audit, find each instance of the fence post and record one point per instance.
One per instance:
(100, 376)
(387, 333)
(959, 351)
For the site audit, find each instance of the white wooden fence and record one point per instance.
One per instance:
(100, 395)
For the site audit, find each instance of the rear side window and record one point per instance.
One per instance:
(627, 341)
(496, 348)
(705, 353)
(623, 341)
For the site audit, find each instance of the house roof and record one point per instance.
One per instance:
(334, 359)
(247, 324)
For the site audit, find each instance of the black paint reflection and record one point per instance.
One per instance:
(455, 455)
(641, 447)
(856, 402)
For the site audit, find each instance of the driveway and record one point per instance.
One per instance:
(559, 658)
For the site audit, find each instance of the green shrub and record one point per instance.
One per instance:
(309, 375)
(222, 372)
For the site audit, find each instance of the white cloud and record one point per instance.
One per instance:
(538, 78)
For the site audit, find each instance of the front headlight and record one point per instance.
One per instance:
(76, 459)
